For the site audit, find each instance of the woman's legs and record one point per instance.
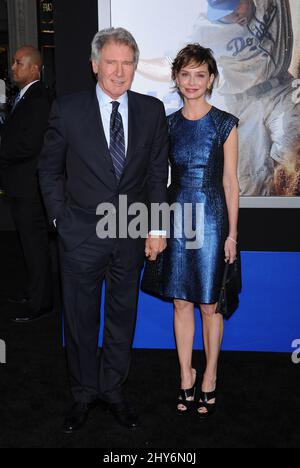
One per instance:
(213, 326)
(184, 325)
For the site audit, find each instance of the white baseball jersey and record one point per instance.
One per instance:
(252, 54)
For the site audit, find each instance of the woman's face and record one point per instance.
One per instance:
(194, 80)
(242, 14)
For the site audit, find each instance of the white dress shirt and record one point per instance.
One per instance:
(105, 106)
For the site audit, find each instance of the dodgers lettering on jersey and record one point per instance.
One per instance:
(252, 54)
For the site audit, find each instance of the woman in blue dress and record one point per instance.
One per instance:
(203, 160)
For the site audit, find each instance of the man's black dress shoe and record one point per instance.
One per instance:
(124, 415)
(77, 417)
(33, 316)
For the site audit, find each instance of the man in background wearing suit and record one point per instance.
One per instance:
(101, 144)
(21, 141)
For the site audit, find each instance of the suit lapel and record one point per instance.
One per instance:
(96, 139)
(132, 128)
(25, 97)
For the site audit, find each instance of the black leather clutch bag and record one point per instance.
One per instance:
(230, 289)
(152, 279)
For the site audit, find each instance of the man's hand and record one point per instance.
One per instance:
(154, 245)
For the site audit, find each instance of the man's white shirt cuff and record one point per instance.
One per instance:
(158, 233)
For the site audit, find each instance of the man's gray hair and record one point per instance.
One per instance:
(118, 35)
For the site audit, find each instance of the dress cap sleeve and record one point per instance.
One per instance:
(230, 121)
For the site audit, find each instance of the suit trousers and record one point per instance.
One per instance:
(84, 270)
(30, 222)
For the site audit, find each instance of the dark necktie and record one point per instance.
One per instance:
(16, 101)
(117, 140)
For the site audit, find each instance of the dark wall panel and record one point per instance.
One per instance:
(269, 230)
(75, 25)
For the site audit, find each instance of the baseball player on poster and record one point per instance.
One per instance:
(253, 43)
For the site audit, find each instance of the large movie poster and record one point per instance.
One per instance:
(256, 44)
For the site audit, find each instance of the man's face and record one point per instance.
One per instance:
(24, 71)
(242, 14)
(115, 69)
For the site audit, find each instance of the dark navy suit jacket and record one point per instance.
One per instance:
(76, 171)
(21, 142)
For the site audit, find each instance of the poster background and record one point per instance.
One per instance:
(160, 31)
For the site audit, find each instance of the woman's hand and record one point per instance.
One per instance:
(230, 249)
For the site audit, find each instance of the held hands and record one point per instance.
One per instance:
(154, 245)
(230, 250)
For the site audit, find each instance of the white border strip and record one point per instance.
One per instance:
(104, 14)
(269, 202)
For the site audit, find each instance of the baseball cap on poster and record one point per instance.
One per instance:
(217, 9)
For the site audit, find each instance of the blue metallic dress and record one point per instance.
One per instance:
(193, 262)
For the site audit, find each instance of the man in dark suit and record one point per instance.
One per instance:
(21, 141)
(101, 144)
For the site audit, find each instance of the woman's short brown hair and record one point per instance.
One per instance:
(198, 55)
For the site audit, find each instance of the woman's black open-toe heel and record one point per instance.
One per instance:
(184, 394)
(210, 408)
